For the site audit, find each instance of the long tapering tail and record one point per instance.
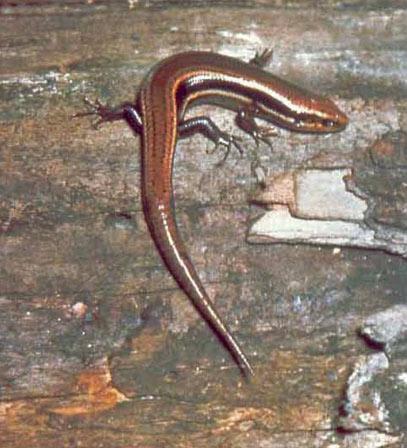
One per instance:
(161, 223)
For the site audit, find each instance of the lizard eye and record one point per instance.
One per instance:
(297, 122)
(328, 123)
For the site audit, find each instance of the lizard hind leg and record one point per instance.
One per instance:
(205, 126)
(105, 113)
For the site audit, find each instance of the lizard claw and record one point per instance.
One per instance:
(262, 134)
(103, 112)
(227, 141)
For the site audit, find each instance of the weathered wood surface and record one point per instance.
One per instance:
(98, 347)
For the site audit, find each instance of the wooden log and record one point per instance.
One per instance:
(98, 346)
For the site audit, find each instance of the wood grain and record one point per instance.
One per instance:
(98, 347)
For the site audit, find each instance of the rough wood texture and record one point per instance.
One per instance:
(98, 347)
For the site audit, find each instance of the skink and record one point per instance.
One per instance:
(157, 114)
